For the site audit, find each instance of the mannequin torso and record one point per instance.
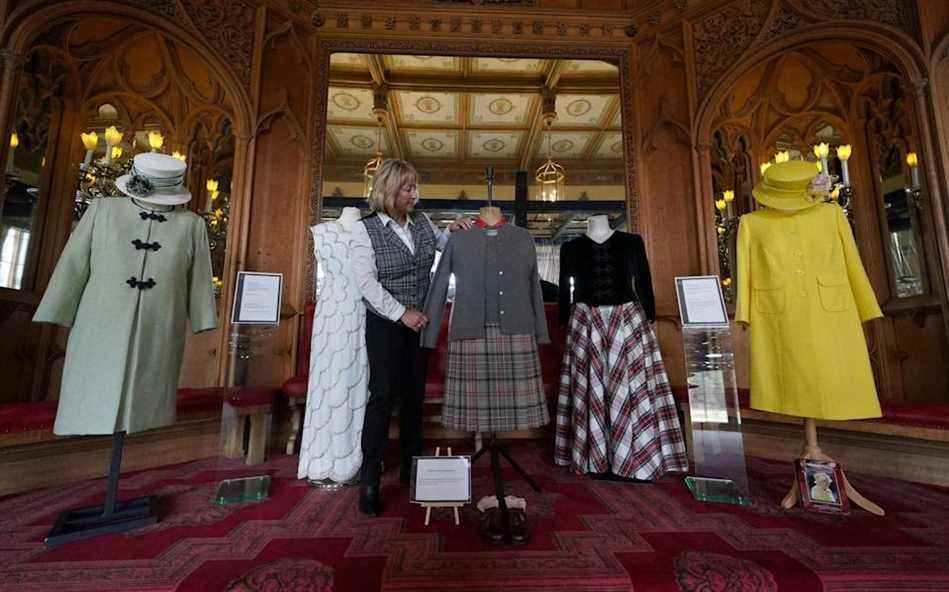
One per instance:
(598, 228)
(348, 217)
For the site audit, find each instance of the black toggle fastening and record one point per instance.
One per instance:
(133, 282)
(147, 246)
(151, 216)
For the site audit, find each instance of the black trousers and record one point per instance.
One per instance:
(397, 365)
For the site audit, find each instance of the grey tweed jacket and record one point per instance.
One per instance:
(520, 297)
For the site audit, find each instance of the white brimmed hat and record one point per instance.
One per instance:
(156, 178)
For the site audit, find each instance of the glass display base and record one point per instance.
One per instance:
(722, 491)
(245, 489)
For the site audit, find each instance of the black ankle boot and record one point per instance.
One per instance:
(369, 500)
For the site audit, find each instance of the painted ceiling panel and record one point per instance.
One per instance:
(426, 108)
(501, 109)
(432, 143)
(356, 141)
(581, 110)
(611, 146)
(494, 145)
(507, 65)
(350, 104)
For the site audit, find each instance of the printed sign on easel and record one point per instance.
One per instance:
(441, 482)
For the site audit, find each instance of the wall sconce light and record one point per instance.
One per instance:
(155, 140)
(91, 141)
(914, 191)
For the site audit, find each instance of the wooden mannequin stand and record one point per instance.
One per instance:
(812, 451)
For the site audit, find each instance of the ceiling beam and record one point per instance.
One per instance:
(479, 84)
(377, 69)
(464, 105)
(556, 70)
(530, 139)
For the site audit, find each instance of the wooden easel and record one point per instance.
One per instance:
(429, 505)
(812, 451)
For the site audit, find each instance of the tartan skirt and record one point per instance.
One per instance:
(615, 409)
(494, 384)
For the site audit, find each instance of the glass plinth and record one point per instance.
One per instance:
(245, 489)
(723, 491)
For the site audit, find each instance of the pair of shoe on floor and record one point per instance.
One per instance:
(492, 525)
(369, 496)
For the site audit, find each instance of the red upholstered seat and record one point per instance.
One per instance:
(192, 400)
(251, 396)
(27, 417)
(922, 415)
(295, 387)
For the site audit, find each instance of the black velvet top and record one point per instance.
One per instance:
(604, 274)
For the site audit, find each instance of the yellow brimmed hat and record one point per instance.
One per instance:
(786, 186)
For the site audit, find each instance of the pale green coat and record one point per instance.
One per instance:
(126, 344)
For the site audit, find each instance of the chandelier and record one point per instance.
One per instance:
(369, 171)
(551, 175)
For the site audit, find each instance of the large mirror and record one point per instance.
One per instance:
(452, 117)
(35, 119)
(902, 228)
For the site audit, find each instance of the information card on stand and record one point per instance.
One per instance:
(701, 303)
(257, 298)
(442, 479)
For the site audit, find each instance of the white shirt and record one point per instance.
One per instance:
(364, 263)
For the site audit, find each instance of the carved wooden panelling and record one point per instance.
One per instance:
(724, 36)
(896, 13)
(226, 25)
(166, 8)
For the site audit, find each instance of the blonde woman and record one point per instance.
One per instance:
(393, 251)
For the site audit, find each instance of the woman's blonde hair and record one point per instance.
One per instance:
(387, 182)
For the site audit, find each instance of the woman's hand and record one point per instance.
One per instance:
(414, 320)
(461, 224)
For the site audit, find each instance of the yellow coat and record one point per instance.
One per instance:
(804, 292)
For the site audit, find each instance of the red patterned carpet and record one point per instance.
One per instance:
(588, 535)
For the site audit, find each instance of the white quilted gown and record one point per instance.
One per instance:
(339, 365)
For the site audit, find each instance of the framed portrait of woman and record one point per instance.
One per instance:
(821, 485)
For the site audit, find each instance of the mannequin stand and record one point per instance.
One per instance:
(498, 450)
(812, 451)
(114, 516)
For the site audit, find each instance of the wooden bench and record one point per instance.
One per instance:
(32, 456)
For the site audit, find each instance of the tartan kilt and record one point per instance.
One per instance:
(494, 384)
(615, 409)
